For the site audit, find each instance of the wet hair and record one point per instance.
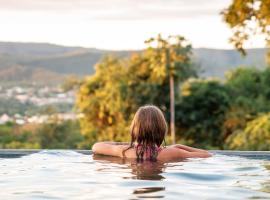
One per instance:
(148, 130)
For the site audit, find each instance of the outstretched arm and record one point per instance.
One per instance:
(187, 148)
(109, 148)
(192, 150)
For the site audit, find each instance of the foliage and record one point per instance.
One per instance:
(100, 99)
(59, 135)
(255, 136)
(250, 89)
(12, 137)
(51, 135)
(247, 18)
(201, 110)
(235, 119)
(169, 56)
(70, 83)
(210, 111)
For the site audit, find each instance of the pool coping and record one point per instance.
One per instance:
(23, 152)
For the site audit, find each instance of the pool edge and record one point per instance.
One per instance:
(22, 152)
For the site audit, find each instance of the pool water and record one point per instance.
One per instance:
(71, 175)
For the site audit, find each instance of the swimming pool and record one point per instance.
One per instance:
(77, 175)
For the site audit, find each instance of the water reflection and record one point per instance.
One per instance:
(150, 171)
(266, 184)
(139, 170)
(148, 190)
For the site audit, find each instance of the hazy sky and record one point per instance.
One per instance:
(114, 24)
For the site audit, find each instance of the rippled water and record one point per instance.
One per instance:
(70, 175)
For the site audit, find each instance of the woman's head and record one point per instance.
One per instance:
(148, 127)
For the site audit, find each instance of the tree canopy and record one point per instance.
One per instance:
(247, 18)
(256, 135)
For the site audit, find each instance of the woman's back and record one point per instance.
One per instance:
(169, 153)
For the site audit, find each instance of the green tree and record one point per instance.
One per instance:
(13, 136)
(201, 111)
(250, 90)
(58, 134)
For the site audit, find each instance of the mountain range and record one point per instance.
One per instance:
(43, 63)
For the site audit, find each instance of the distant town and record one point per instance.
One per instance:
(30, 104)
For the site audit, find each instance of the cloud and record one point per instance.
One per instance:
(121, 9)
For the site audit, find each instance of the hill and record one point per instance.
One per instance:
(47, 63)
(216, 62)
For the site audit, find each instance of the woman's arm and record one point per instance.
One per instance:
(190, 152)
(187, 148)
(196, 154)
(174, 153)
(109, 148)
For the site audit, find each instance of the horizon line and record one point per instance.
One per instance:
(111, 49)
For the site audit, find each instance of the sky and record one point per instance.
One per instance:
(115, 24)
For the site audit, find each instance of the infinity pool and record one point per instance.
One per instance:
(72, 175)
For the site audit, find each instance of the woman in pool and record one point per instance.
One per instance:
(148, 130)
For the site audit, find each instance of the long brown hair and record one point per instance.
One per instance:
(148, 130)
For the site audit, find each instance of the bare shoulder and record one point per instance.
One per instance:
(169, 153)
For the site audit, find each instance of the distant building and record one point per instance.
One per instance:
(22, 98)
(67, 116)
(20, 121)
(5, 118)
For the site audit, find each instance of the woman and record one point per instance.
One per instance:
(148, 130)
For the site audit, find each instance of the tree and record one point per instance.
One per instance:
(15, 136)
(255, 136)
(58, 134)
(102, 99)
(247, 18)
(169, 58)
(201, 111)
(249, 88)
(250, 95)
